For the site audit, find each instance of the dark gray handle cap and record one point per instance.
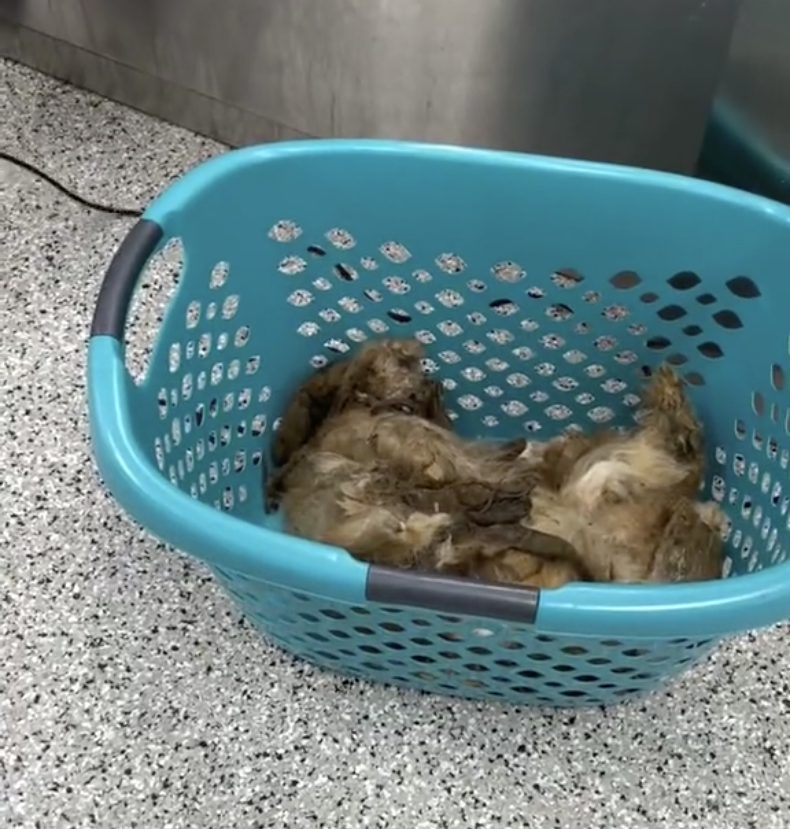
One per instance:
(451, 594)
(117, 289)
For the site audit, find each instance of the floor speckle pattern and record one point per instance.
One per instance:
(133, 695)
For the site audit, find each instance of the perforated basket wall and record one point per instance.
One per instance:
(461, 656)
(528, 333)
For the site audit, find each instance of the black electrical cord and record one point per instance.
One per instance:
(103, 208)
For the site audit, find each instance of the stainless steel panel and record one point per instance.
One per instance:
(612, 79)
(756, 79)
(747, 143)
(62, 19)
(139, 90)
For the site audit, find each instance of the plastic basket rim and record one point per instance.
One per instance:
(204, 174)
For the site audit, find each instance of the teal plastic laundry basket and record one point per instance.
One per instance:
(541, 288)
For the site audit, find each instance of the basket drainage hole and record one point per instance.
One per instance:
(743, 287)
(728, 319)
(710, 350)
(625, 280)
(345, 272)
(658, 343)
(670, 313)
(684, 281)
(327, 655)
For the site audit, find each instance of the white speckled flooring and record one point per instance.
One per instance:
(133, 695)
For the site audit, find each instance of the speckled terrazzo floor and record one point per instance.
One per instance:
(133, 695)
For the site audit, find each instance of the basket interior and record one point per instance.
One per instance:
(517, 354)
(534, 325)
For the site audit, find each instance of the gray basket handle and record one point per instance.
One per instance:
(451, 594)
(117, 288)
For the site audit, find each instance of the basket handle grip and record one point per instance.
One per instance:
(451, 594)
(117, 288)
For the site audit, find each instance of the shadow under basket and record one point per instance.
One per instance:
(542, 290)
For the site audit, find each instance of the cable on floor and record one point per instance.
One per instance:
(103, 208)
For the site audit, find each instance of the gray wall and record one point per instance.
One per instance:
(621, 80)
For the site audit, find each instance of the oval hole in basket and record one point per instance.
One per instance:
(710, 350)
(658, 343)
(684, 280)
(559, 312)
(694, 378)
(740, 429)
(162, 401)
(399, 316)
(566, 278)
(728, 319)
(649, 297)
(504, 304)
(633, 652)
(777, 377)
(743, 287)
(670, 313)
(345, 272)
(625, 280)
(758, 403)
